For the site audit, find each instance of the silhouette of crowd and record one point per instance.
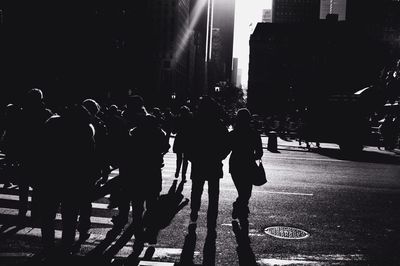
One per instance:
(66, 157)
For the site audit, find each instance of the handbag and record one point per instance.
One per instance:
(259, 177)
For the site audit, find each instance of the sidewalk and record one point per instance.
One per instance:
(294, 144)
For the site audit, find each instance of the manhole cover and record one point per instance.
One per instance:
(285, 232)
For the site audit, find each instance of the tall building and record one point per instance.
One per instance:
(333, 7)
(199, 25)
(266, 15)
(239, 78)
(224, 19)
(380, 19)
(373, 11)
(308, 62)
(235, 71)
(295, 11)
(171, 26)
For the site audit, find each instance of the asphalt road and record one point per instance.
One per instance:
(349, 206)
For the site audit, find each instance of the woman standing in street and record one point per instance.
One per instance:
(246, 148)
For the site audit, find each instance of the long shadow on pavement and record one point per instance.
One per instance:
(363, 156)
(244, 250)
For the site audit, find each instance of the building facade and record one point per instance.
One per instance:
(235, 62)
(307, 62)
(170, 26)
(333, 7)
(266, 15)
(224, 20)
(290, 11)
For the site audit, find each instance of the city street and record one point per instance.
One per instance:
(347, 206)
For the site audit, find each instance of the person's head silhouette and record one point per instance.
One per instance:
(243, 118)
(92, 106)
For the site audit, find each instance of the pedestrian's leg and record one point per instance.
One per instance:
(123, 210)
(244, 195)
(69, 212)
(48, 212)
(23, 192)
(184, 167)
(213, 198)
(84, 224)
(236, 203)
(137, 216)
(179, 157)
(209, 249)
(138, 228)
(151, 231)
(195, 198)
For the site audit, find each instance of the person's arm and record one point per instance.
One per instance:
(224, 142)
(258, 147)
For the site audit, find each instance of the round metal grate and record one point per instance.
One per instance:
(285, 232)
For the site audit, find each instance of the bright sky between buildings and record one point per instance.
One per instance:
(247, 14)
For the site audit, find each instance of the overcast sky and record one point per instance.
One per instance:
(246, 12)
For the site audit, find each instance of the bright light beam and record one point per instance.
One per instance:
(195, 17)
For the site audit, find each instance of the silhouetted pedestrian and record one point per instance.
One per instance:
(140, 174)
(182, 140)
(10, 145)
(246, 147)
(208, 147)
(34, 115)
(67, 173)
(132, 116)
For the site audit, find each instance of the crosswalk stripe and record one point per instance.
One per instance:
(8, 207)
(155, 263)
(11, 195)
(16, 198)
(16, 254)
(93, 219)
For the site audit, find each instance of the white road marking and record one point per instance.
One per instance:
(277, 157)
(16, 198)
(315, 259)
(93, 219)
(12, 197)
(272, 192)
(155, 263)
(16, 254)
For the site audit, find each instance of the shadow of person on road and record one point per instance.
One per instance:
(361, 156)
(244, 250)
(188, 247)
(9, 229)
(168, 205)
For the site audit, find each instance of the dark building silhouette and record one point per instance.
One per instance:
(172, 36)
(378, 18)
(101, 50)
(198, 46)
(223, 20)
(295, 11)
(235, 72)
(73, 51)
(308, 61)
(216, 66)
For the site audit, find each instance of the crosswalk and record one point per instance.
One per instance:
(100, 219)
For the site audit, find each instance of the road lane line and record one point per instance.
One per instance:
(304, 159)
(272, 192)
